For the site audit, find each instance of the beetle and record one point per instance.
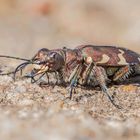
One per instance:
(102, 64)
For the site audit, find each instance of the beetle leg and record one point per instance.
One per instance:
(85, 74)
(61, 77)
(123, 73)
(48, 77)
(73, 74)
(35, 80)
(100, 76)
(73, 79)
(137, 69)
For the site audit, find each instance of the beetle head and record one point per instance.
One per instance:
(48, 61)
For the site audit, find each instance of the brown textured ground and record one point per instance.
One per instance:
(31, 112)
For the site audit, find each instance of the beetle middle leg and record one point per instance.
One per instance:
(73, 79)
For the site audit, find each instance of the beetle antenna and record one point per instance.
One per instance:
(12, 57)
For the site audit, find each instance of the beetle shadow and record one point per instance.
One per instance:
(97, 89)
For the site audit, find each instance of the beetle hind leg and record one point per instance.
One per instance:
(137, 69)
(101, 79)
(123, 73)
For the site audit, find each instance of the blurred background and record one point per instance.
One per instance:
(28, 25)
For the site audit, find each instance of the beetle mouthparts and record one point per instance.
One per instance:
(36, 66)
(42, 70)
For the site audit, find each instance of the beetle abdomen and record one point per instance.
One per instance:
(110, 55)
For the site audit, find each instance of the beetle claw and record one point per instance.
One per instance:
(70, 93)
(105, 91)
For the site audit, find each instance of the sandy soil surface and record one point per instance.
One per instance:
(29, 111)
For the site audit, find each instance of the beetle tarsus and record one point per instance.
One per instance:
(100, 76)
(71, 91)
(105, 91)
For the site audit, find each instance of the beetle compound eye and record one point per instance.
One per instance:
(53, 55)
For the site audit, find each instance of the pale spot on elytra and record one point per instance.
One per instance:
(105, 59)
(121, 57)
(89, 60)
(139, 59)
